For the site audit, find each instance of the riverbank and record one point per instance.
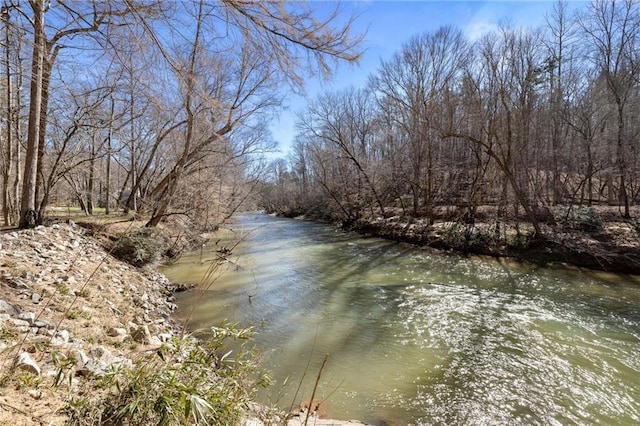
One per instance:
(599, 239)
(73, 317)
(70, 312)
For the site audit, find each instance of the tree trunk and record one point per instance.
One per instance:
(6, 200)
(28, 202)
(90, 183)
(44, 107)
(622, 164)
(107, 184)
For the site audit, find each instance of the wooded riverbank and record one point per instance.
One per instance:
(599, 239)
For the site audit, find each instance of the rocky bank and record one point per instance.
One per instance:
(70, 311)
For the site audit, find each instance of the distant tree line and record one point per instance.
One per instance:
(521, 119)
(149, 106)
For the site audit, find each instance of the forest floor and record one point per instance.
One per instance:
(69, 314)
(598, 238)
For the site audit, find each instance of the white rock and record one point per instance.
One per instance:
(29, 317)
(141, 335)
(116, 331)
(155, 341)
(26, 363)
(34, 393)
(99, 352)
(55, 341)
(81, 357)
(64, 335)
(165, 337)
(46, 332)
(19, 323)
(8, 308)
(45, 324)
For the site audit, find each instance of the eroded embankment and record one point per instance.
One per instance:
(613, 248)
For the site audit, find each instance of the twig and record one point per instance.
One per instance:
(213, 273)
(16, 409)
(306, 368)
(315, 387)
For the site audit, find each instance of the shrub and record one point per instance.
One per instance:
(520, 240)
(186, 382)
(456, 236)
(485, 237)
(584, 219)
(140, 247)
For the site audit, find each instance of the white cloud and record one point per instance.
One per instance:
(477, 29)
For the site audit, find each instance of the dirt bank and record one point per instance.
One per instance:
(64, 298)
(613, 244)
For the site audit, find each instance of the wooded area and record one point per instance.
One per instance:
(521, 119)
(150, 106)
(163, 108)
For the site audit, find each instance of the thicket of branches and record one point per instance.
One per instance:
(149, 105)
(521, 119)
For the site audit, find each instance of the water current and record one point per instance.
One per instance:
(418, 336)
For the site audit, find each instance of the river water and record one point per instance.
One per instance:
(418, 336)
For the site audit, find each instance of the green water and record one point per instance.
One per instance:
(417, 336)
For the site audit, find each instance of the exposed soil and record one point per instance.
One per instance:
(63, 298)
(614, 247)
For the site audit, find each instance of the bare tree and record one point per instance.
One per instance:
(11, 143)
(612, 30)
(559, 66)
(77, 141)
(416, 80)
(505, 79)
(28, 203)
(73, 19)
(587, 116)
(523, 119)
(229, 84)
(346, 120)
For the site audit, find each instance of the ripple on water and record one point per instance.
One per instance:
(417, 336)
(513, 358)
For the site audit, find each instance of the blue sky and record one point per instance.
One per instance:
(389, 24)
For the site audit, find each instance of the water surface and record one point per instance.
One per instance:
(418, 336)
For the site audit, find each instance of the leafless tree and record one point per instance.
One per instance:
(346, 120)
(612, 30)
(11, 153)
(415, 80)
(523, 119)
(559, 66)
(231, 83)
(71, 19)
(507, 80)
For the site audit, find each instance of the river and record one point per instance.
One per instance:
(418, 336)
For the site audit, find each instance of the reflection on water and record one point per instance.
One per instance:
(417, 336)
